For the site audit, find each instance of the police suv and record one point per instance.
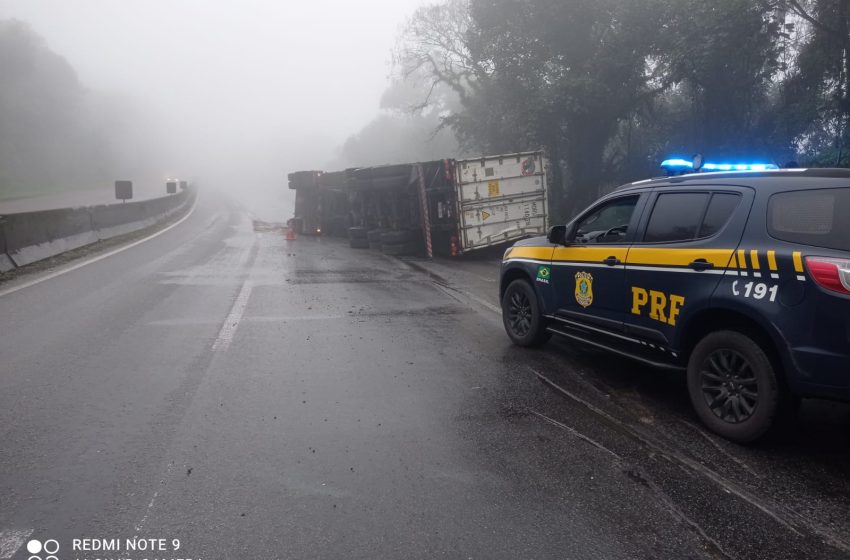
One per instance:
(739, 276)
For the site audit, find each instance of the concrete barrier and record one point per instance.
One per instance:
(32, 236)
(6, 263)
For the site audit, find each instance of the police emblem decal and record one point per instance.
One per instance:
(584, 288)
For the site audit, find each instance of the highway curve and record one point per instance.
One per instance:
(259, 398)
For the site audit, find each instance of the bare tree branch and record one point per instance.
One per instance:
(803, 13)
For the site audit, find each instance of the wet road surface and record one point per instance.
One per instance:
(257, 398)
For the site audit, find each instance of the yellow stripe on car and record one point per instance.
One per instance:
(771, 261)
(583, 253)
(535, 253)
(754, 258)
(678, 257)
(798, 261)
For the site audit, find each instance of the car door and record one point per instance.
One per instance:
(588, 274)
(686, 241)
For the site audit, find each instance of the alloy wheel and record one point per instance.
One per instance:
(729, 385)
(519, 313)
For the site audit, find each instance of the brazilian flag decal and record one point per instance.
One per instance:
(543, 273)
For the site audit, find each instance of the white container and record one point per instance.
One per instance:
(501, 198)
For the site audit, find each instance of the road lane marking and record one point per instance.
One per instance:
(11, 540)
(575, 433)
(141, 524)
(97, 258)
(228, 329)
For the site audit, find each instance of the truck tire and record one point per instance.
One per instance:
(522, 315)
(374, 235)
(399, 249)
(357, 233)
(358, 243)
(733, 386)
(397, 237)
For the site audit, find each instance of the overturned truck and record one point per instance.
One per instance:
(445, 207)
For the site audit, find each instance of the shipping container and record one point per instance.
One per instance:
(443, 207)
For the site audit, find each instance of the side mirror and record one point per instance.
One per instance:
(557, 235)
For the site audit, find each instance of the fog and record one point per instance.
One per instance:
(231, 94)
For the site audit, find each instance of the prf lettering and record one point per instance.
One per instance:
(662, 307)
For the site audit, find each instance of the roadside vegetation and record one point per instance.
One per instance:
(55, 133)
(611, 87)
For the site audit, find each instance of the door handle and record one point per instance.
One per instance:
(612, 261)
(701, 264)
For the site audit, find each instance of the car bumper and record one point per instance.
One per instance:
(821, 373)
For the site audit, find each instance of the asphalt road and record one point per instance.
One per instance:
(258, 398)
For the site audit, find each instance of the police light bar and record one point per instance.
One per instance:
(738, 166)
(677, 165)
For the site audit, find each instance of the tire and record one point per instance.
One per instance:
(374, 235)
(358, 243)
(399, 249)
(733, 386)
(397, 237)
(522, 316)
(357, 233)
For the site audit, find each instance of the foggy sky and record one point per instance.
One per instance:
(239, 92)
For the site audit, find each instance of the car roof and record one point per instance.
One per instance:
(780, 178)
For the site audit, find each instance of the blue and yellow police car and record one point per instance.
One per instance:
(736, 274)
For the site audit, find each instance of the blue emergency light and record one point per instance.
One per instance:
(677, 166)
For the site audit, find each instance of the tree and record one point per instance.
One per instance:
(723, 56)
(51, 127)
(530, 73)
(817, 91)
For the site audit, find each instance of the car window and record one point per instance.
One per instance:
(720, 210)
(811, 217)
(608, 223)
(676, 217)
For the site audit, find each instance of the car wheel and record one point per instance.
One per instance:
(733, 386)
(522, 316)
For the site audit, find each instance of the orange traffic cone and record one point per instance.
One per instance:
(290, 233)
(453, 245)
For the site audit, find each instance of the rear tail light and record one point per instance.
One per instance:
(832, 274)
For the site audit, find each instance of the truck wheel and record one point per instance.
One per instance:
(357, 233)
(358, 243)
(398, 249)
(733, 386)
(522, 316)
(374, 235)
(397, 237)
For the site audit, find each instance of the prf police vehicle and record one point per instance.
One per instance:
(740, 276)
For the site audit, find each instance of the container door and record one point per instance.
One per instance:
(501, 199)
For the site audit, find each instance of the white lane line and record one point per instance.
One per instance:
(141, 524)
(228, 329)
(575, 433)
(11, 540)
(62, 271)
